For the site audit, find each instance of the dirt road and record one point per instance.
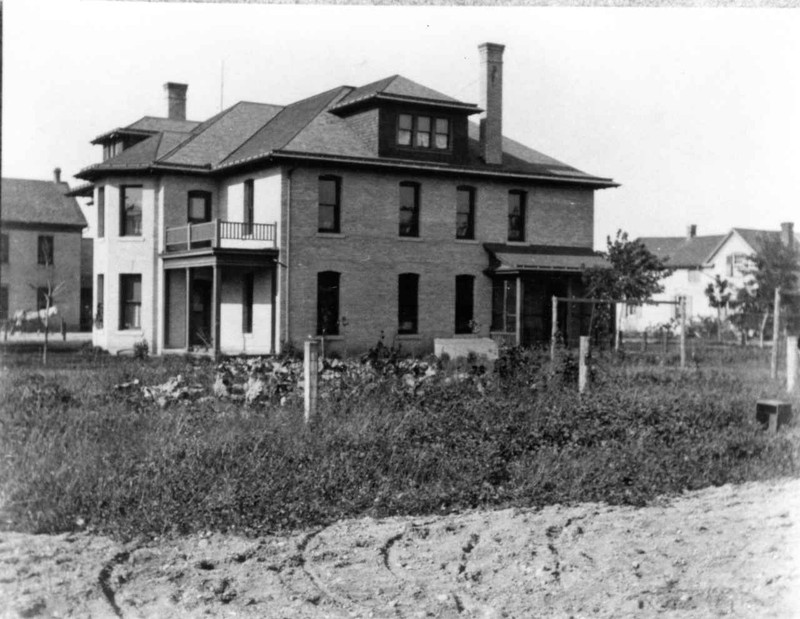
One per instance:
(732, 551)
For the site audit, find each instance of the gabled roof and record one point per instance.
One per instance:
(754, 238)
(681, 251)
(311, 130)
(39, 202)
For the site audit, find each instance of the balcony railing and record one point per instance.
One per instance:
(220, 233)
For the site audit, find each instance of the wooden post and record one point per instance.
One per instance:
(554, 329)
(518, 310)
(215, 308)
(791, 362)
(310, 376)
(188, 307)
(683, 332)
(776, 323)
(583, 370)
(216, 233)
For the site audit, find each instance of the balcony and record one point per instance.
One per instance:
(220, 234)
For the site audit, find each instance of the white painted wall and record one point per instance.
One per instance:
(232, 339)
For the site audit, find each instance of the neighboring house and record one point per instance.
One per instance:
(40, 242)
(354, 213)
(697, 260)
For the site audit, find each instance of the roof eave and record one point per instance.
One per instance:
(469, 108)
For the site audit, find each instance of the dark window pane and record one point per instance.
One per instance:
(409, 210)
(41, 298)
(442, 133)
(328, 303)
(498, 305)
(516, 216)
(45, 250)
(465, 213)
(405, 124)
(101, 212)
(3, 302)
(464, 303)
(199, 206)
(407, 295)
(423, 131)
(423, 123)
(249, 206)
(3, 249)
(405, 121)
(248, 285)
(130, 301)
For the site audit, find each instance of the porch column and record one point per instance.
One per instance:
(215, 306)
(188, 307)
(519, 310)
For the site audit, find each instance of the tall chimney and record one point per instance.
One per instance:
(691, 231)
(492, 102)
(787, 234)
(176, 100)
(57, 175)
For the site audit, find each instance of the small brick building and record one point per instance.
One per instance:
(353, 213)
(40, 246)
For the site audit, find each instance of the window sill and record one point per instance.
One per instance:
(331, 235)
(131, 239)
(413, 239)
(468, 241)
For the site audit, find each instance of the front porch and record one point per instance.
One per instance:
(220, 302)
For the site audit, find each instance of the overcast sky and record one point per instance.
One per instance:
(694, 111)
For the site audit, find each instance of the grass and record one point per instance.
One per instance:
(76, 449)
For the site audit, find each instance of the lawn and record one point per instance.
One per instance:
(84, 441)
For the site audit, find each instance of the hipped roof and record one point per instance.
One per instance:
(315, 129)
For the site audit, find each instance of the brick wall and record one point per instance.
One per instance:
(369, 254)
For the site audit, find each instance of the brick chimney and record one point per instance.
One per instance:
(57, 175)
(787, 234)
(491, 81)
(176, 100)
(691, 231)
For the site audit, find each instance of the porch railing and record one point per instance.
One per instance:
(214, 233)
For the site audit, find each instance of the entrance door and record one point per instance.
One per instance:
(537, 307)
(200, 319)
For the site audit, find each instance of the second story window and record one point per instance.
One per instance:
(130, 216)
(249, 205)
(516, 215)
(465, 213)
(409, 209)
(420, 131)
(101, 212)
(199, 207)
(329, 210)
(3, 249)
(44, 248)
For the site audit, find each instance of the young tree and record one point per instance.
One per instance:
(49, 292)
(632, 277)
(719, 294)
(774, 265)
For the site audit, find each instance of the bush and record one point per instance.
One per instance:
(394, 436)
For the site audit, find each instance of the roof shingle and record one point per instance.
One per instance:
(39, 202)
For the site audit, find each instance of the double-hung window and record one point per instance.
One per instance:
(130, 301)
(516, 215)
(199, 207)
(249, 206)
(101, 212)
(409, 209)
(3, 249)
(329, 190)
(130, 215)
(407, 303)
(248, 288)
(44, 250)
(465, 213)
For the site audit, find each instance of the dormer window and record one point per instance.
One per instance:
(423, 131)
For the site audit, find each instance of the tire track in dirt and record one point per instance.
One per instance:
(104, 578)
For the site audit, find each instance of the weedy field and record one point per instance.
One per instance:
(131, 447)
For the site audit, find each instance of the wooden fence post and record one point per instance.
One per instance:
(583, 369)
(554, 330)
(791, 362)
(683, 332)
(776, 323)
(310, 376)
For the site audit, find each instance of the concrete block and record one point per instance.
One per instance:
(773, 414)
(462, 346)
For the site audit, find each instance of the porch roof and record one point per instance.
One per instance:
(515, 258)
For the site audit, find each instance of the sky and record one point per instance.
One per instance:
(695, 112)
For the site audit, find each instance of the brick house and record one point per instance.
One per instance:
(354, 212)
(40, 242)
(697, 261)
